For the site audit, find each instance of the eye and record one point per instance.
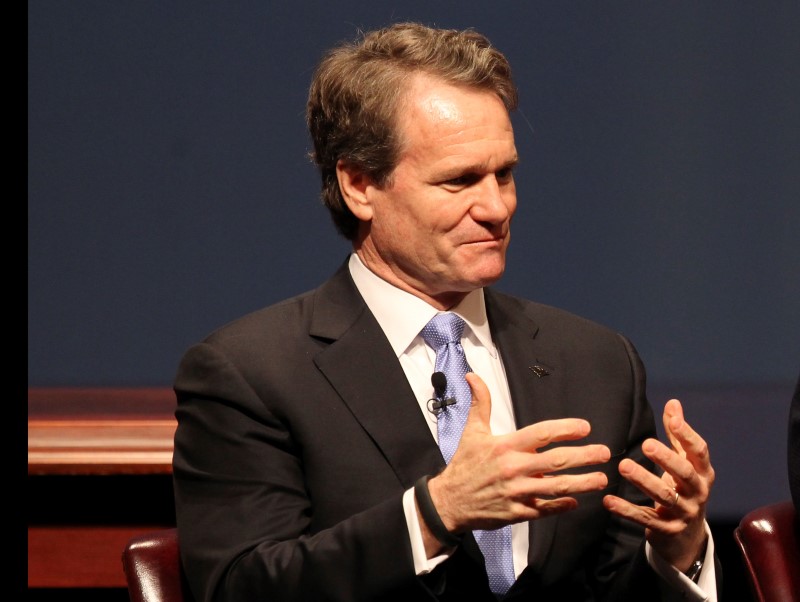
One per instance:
(463, 180)
(505, 175)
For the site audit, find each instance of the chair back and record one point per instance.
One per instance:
(152, 566)
(769, 543)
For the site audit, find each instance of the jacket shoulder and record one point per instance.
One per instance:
(543, 316)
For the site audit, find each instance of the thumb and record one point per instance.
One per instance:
(481, 408)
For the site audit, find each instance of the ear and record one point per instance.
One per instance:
(355, 186)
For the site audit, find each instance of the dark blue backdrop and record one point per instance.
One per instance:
(659, 191)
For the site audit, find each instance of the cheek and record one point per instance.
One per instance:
(416, 217)
(419, 223)
(398, 232)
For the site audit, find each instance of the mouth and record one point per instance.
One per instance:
(491, 241)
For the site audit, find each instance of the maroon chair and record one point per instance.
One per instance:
(770, 547)
(152, 566)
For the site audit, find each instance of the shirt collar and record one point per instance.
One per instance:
(402, 316)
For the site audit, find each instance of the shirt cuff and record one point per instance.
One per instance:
(676, 585)
(422, 564)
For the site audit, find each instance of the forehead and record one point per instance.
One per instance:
(438, 119)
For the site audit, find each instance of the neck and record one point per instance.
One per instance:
(440, 300)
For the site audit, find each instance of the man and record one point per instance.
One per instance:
(306, 462)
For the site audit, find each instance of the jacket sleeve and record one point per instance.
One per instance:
(243, 511)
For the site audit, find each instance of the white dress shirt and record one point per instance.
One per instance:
(402, 316)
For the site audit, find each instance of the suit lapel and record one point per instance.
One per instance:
(536, 386)
(363, 369)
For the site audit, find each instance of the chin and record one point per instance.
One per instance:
(489, 269)
(487, 277)
(475, 270)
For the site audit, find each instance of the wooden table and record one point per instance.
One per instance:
(99, 472)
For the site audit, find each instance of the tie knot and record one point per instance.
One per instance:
(443, 329)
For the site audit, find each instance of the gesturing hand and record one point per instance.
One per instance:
(675, 526)
(493, 481)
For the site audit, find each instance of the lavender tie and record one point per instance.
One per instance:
(443, 334)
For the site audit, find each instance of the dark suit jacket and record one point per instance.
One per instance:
(298, 433)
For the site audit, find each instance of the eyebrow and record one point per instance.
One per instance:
(477, 168)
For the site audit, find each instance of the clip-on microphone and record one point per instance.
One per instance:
(437, 404)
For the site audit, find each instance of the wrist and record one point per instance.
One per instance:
(430, 515)
(694, 570)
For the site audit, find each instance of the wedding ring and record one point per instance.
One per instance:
(677, 497)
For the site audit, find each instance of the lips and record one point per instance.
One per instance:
(484, 240)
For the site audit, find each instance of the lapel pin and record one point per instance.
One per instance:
(539, 370)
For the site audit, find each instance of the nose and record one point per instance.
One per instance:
(495, 201)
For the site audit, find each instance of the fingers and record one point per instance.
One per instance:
(679, 476)
(642, 515)
(661, 490)
(673, 506)
(672, 415)
(541, 434)
(687, 465)
(685, 440)
(507, 478)
(562, 458)
(538, 435)
(674, 524)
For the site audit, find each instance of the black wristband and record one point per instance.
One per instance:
(693, 572)
(431, 516)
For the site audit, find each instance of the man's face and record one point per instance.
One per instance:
(440, 228)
